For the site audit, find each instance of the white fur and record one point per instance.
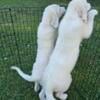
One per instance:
(72, 30)
(47, 34)
(81, 6)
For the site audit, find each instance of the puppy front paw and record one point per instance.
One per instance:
(93, 12)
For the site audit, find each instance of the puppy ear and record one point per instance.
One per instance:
(55, 21)
(62, 11)
(83, 13)
(84, 10)
(50, 17)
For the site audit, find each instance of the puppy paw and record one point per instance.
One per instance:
(93, 12)
(61, 96)
(37, 87)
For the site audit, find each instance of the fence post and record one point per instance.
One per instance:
(14, 33)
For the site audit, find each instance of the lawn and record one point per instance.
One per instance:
(28, 3)
(18, 28)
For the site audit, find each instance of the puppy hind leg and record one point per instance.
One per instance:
(62, 96)
(49, 95)
(42, 95)
(37, 87)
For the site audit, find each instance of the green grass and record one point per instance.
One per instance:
(37, 3)
(28, 3)
(18, 29)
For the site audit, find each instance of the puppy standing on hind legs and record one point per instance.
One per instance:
(72, 30)
(47, 35)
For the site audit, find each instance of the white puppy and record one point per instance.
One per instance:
(72, 30)
(47, 34)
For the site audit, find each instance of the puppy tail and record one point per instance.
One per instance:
(22, 74)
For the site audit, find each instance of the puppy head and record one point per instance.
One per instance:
(82, 7)
(52, 15)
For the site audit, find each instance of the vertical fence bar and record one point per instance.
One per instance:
(14, 33)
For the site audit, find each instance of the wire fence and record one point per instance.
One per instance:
(18, 45)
